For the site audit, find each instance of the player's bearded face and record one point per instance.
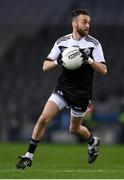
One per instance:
(83, 25)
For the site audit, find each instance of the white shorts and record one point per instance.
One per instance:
(61, 103)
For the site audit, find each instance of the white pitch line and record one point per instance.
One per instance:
(64, 171)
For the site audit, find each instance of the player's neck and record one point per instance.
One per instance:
(76, 36)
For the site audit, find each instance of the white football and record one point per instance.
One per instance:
(72, 58)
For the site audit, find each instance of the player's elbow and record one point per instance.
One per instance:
(105, 72)
(45, 66)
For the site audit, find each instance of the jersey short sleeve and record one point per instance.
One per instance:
(98, 54)
(55, 51)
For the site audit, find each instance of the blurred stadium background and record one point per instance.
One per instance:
(28, 30)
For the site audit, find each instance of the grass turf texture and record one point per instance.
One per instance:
(62, 162)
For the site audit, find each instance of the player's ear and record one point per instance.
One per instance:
(74, 23)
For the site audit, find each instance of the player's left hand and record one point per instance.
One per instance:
(86, 58)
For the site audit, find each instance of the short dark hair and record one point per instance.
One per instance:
(77, 12)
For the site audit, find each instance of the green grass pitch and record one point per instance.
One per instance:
(57, 161)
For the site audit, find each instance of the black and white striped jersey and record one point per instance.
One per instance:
(77, 83)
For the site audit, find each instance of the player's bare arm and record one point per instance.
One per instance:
(47, 65)
(99, 67)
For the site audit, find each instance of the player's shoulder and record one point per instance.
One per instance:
(91, 39)
(63, 38)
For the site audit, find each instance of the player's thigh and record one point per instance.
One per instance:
(50, 110)
(54, 104)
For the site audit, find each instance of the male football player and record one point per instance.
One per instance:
(73, 88)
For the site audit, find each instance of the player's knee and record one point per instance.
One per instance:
(43, 120)
(73, 129)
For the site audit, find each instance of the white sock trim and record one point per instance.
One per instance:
(29, 155)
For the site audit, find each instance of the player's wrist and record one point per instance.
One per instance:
(90, 60)
(56, 62)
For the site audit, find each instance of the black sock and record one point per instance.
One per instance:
(32, 146)
(90, 140)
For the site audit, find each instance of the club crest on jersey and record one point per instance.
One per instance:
(87, 51)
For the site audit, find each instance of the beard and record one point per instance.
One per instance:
(82, 32)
